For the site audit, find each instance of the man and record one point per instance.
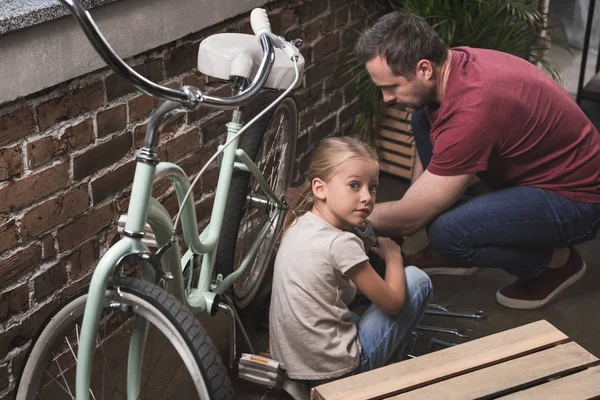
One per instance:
(485, 113)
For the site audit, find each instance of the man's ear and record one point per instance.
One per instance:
(319, 188)
(424, 69)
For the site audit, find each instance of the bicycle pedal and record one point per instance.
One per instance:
(258, 369)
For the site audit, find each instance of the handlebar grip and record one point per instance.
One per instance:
(259, 19)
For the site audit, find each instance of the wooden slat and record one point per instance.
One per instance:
(439, 365)
(508, 376)
(398, 148)
(395, 170)
(396, 112)
(396, 125)
(582, 385)
(395, 159)
(399, 137)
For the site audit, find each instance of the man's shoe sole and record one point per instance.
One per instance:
(451, 271)
(533, 304)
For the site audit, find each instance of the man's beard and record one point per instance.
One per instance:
(424, 96)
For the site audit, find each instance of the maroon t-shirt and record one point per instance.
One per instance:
(508, 121)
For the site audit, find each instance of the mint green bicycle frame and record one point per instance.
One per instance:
(143, 207)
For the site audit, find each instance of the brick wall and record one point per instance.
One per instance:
(67, 158)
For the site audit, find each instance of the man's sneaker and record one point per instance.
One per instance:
(432, 263)
(537, 292)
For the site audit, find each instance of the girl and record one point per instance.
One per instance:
(321, 263)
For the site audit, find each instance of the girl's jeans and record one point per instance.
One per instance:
(516, 228)
(386, 338)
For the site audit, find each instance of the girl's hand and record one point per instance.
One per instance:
(388, 249)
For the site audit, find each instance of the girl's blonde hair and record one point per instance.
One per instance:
(327, 157)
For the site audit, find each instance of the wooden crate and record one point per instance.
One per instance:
(395, 141)
(533, 361)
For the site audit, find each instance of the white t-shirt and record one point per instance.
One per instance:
(310, 328)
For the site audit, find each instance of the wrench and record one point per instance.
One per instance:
(463, 333)
(433, 341)
(448, 313)
(440, 307)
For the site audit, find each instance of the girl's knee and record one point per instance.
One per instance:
(418, 281)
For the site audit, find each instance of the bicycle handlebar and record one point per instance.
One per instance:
(188, 96)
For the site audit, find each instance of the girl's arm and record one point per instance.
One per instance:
(387, 294)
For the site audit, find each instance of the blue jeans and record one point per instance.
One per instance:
(386, 338)
(516, 228)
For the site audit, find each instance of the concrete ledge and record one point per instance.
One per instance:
(45, 54)
(19, 14)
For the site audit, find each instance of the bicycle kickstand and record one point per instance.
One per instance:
(227, 306)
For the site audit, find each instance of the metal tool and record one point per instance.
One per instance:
(449, 313)
(463, 332)
(446, 307)
(433, 341)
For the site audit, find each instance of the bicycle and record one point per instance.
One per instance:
(91, 327)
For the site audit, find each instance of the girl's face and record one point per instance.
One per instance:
(347, 199)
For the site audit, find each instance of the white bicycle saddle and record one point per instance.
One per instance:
(236, 54)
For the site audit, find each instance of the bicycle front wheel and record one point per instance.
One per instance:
(179, 359)
(271, 143)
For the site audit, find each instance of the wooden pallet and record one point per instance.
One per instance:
(395, 142)
(534, 361)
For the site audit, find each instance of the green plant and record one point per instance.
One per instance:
(512, 26)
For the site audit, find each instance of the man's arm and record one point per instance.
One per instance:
(428, 197)
(417, 169)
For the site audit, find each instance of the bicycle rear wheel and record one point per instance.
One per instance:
(179, 359)
(271, 143)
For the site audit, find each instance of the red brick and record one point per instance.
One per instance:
(312, 10)
(112, 182)
(341, 18)
(54, 212)
(19, 263)
(19, 335)
(116, 86)
(34, 187)
(48, 249)
(77, 136)
(210, 178)
(139, 133)
(16, 125)
(14, 302)
(327, 24)
(85, 227)
(326, 128)
(111, 120)
(286, 19)
(214, 128)
(140, 107)
(325, 46)
(196, 79)
(181, 59)
(70, 105)
(204, 207)
(194, 163)
(183, 144)
(49, 280)
(101, 156)
(8, 236)
(10, 162)
(83, 259)
(40, 152)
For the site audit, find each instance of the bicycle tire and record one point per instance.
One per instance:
(48, 354)
(238, 210)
